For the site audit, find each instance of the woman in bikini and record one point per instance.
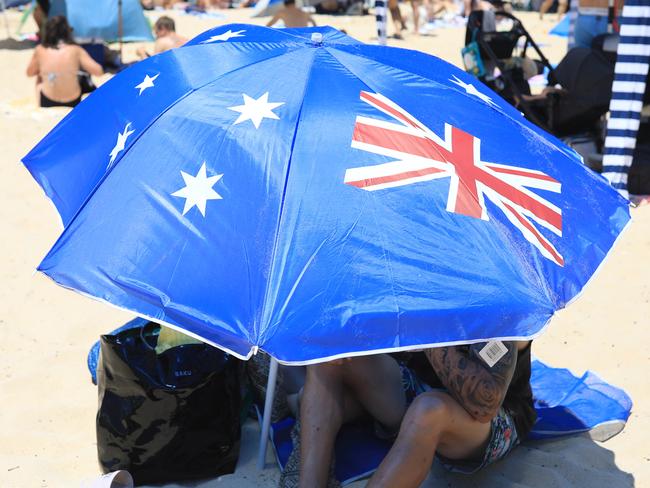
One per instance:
(56, 63)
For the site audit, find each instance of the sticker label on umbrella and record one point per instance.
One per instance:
(492, 352)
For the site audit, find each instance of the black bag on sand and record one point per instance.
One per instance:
(166, 417)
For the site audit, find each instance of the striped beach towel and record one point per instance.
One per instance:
(630, 76)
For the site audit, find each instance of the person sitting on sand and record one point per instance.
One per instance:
(56, 63)
(481, 411)
(166, 37)
(292, 16)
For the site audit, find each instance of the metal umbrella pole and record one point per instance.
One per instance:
(266, 419)
(3, 4)
(120, 26)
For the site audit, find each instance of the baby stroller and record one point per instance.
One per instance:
(586, 75)
(576, 112)
(501, 61)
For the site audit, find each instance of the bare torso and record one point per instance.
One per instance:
(604, 4)
(57, 72)
(57, 68)
(293, 17)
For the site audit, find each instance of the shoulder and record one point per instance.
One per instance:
(75, 48)
(164, 43)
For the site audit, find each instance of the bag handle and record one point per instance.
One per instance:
(144, 341)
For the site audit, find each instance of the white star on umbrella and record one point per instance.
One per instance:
(224, 36)
(472, 90)
(256, 110)
(121, 142)
(146, 83)
(198, 190)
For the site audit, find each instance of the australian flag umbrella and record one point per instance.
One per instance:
(302, 193)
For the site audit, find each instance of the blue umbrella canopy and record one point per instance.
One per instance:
(299, 192)
(98, 19)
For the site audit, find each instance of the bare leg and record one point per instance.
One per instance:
(325, 406)
(543, 8)
(415, 5)
(396, 14)
(562, 8)
(335, 393)
(433, 422)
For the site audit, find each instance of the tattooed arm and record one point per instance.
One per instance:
(478, 388)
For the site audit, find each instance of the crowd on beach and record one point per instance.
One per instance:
(60, 66)
(468, 405)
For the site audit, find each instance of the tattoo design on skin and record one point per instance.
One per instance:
(478, 388)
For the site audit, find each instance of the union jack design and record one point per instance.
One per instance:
(422, 156)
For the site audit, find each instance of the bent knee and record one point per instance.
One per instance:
(323, 369)
(430, 410)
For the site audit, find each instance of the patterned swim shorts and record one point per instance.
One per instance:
(503, 439)
(503, 434)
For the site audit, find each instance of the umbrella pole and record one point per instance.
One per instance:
(4, 12)
(120, 26)
(266, 420)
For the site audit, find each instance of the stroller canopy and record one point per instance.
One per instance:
(98, 19)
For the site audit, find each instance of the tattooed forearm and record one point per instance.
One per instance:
(477, 387)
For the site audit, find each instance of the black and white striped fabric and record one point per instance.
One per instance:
(381, 16)
(630, 76)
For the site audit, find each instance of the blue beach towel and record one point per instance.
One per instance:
(561, 29)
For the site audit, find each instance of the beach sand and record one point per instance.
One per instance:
(48, 404)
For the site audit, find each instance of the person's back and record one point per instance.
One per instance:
(57, 62)
(292, 16)
(58, 68)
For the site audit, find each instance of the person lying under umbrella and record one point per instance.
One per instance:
(467, 405)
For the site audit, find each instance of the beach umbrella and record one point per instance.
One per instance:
(298, 192)
(107, 20)
(628, 91)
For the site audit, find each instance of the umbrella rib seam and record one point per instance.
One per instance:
(264, 314)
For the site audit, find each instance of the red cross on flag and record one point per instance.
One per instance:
(421, 155)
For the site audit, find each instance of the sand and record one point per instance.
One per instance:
(48, 404)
